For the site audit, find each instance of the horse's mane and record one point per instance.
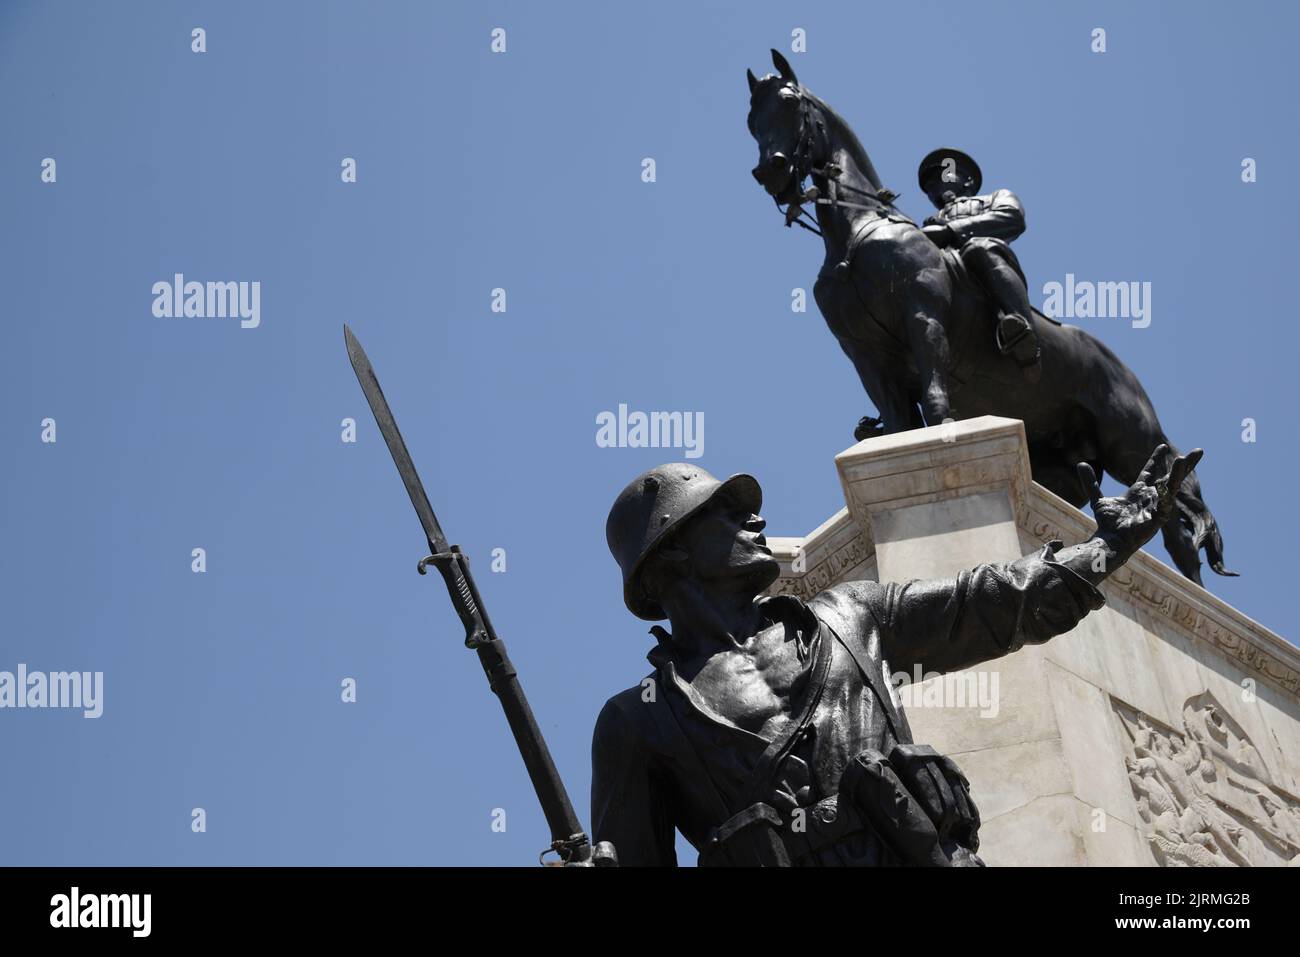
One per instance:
(846, 137)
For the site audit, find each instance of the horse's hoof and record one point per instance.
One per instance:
(868, 428)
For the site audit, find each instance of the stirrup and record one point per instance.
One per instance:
(1024, 330)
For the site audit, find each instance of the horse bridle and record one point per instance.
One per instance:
(801, 167)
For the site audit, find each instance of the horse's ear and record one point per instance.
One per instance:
(783, 67)
(753, 81)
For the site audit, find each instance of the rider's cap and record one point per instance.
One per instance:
(653, 505)
(933, 164)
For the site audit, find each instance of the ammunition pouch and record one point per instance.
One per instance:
(918, 803)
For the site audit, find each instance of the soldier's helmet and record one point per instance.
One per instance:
(934, 164)
(652, 505)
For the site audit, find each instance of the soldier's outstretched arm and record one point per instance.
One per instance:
(983, 613)
(992, 610)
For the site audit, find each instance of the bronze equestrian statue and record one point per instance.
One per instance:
(768, 733)
(926, 325)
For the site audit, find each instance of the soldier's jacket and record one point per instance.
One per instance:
(997, 215)
(663, 759)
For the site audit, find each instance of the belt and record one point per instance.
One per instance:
(804, 836)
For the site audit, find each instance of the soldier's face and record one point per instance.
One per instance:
(726, 545)
(942, 193)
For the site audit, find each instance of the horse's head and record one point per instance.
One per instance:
(778, 122)
(799, 136)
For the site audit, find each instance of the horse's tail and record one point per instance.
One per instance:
(1197, 516)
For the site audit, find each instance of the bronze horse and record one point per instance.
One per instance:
(919, 329)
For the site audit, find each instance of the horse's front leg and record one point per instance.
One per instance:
(924, 305)
(904, 283)
(930, 349)
(898, 412)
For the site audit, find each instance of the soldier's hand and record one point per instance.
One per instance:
(602, 854)
(1128, 522)
(940, 234)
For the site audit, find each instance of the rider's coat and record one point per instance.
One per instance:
(997, 215)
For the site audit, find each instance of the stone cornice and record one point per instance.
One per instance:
(828, 553)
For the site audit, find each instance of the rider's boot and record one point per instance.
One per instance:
(995, 266)
(1017, 338)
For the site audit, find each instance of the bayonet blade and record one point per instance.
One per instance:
(393, 439)
(567, 836)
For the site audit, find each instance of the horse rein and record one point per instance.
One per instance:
(801, 168)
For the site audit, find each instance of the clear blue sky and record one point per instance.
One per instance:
(519, 171)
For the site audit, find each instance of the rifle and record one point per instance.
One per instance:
(568, 839)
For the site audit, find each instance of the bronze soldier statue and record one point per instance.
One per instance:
(979, 229)
(767, 733)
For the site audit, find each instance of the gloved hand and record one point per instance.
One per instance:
(940, 234)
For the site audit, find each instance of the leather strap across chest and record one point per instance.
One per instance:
(872, 675)
(779, 749)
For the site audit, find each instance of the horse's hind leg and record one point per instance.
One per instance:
(1201, 524)
(1192, 521)
(1054, 472)
(1180, 542)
